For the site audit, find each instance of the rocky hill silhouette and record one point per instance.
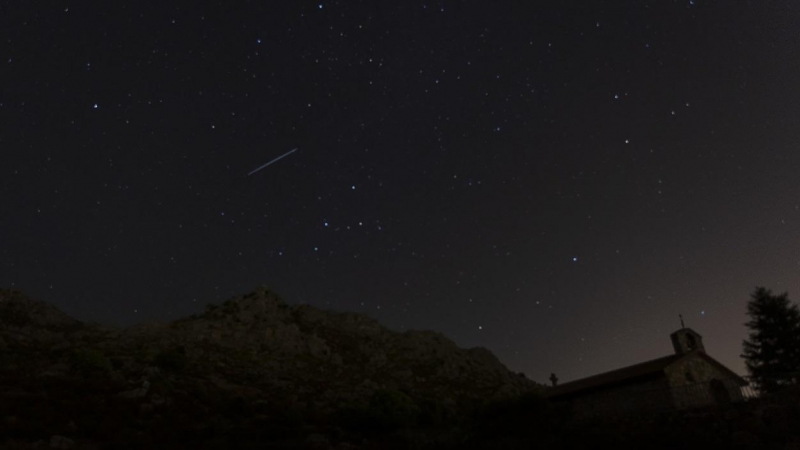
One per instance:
(249, 370)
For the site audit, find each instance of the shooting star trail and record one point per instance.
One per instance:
(274, 160)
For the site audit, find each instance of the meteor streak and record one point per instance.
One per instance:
(274, 160)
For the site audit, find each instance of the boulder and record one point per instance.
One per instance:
(61, 442)
(137, 392)
(318, 441)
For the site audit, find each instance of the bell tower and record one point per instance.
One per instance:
(687, 340)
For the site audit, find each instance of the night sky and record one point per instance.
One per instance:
(555, 181)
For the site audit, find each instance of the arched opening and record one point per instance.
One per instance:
(719, 392)
(691, 343)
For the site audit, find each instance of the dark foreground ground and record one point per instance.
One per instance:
(88, 414)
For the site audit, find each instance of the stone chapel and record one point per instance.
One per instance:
(688, 378)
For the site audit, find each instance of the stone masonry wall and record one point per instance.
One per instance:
(651, 395)
(697, 391)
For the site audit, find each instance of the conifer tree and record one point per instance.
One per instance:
(772, 352)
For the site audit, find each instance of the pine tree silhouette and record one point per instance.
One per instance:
(772, 352)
